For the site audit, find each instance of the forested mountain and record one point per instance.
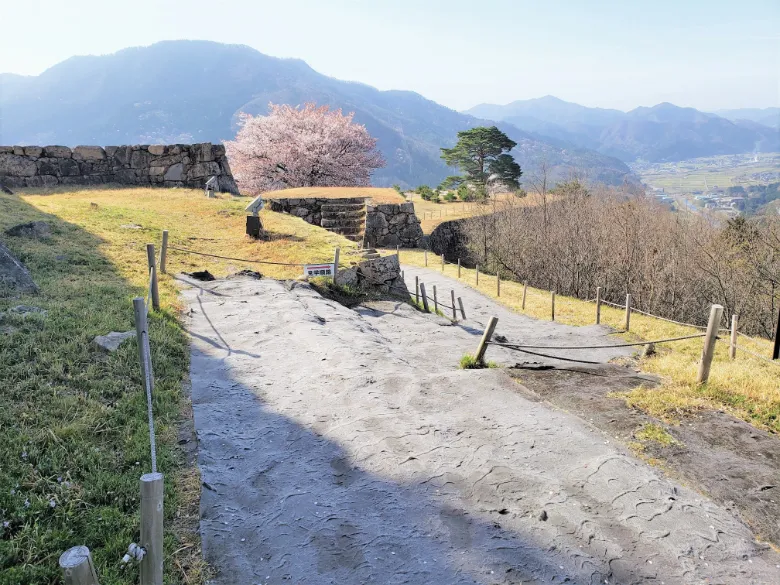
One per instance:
(764, 116)
(662, 133)
(193, 91)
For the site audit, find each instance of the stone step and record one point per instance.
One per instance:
(341, 222)
(347, 201)
(346, 231)
(327, 207)
(357, 238)
(343, 214)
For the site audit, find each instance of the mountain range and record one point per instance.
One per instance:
(661, 133)
(194, 91)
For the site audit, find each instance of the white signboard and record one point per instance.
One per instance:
(312, 270)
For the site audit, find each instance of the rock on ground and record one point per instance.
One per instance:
(14, 276)
(341, 446)
(111, 341)
(38, 230)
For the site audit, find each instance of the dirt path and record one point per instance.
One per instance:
(341, 446)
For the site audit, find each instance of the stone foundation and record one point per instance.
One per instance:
(156, 165)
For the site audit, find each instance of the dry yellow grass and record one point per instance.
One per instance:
(214, 226)
(747, 387)
(377, 194)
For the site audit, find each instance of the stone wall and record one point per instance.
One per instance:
(156, 165)
(449, 238)
(387, 225)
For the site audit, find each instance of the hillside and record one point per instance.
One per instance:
(193, 91)
(664, 132)
(765, 116)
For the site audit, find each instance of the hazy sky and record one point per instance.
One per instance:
(708, 54)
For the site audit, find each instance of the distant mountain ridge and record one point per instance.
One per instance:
(664, 132)
(193, 91)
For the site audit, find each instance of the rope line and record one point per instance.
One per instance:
(234, 259)
(773, 362)
(521, 347)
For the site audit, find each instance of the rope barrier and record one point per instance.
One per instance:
(755, 355)
(521, 347)
(234, 259)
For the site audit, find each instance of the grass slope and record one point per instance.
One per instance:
(73, 429)
(747, 387)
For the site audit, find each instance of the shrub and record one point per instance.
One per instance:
(464, 193)
(449, 196)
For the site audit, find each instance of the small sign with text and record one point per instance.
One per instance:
(312, 270)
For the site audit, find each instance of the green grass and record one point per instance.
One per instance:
(655, 433)
(469, 362)
(73, 428)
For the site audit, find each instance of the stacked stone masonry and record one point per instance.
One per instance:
(384, 226)
(156, 165)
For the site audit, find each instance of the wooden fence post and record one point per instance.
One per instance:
(398, 253)
(598, 305)
(425, 254)
(498, 283)
(553, 305)
(153, 276)
(716, 312)
(454, 312)
(152, 529)
(477, 272)
(417, 289)
(77, 567)
(776, 350)
(628, 312)
(442, 262)
(164, 252)
(336, 265)
(435, 300)
(462, 312)
(424, 297)
(525, 292)
(142, 338)
(733, 344)
(458, 267)
(485, 338)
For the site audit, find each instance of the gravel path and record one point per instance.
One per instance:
(344, 447)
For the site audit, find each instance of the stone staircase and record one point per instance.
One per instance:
(346, 217)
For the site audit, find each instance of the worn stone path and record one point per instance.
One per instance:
(345, 447)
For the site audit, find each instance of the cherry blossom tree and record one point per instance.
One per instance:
(307, 146)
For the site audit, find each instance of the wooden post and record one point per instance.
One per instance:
(336, 265)
(628, 312)
(553, 305)
(425, 254)
(142, 338)
(458, 267)
(442, 262)
(776, 350)
(77, 567)
(435, 300)
(733, 344)
(480, 355)
(424, 297)
(164, 252)
(454, 312)
(398, 253)
(477, 269)
(153, 276)
(498, 283)
(525, 292)
(716, 312)
(417, 289)
(462, 312)
(152, 529)
(598, 305)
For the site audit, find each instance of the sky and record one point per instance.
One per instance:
(707, 54)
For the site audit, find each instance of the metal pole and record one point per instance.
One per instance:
(598, 305)
(164, 252)
(716, 312)
(485, 338)
(77, 567)
(152, 529)
(153, 275)
(776, 351)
